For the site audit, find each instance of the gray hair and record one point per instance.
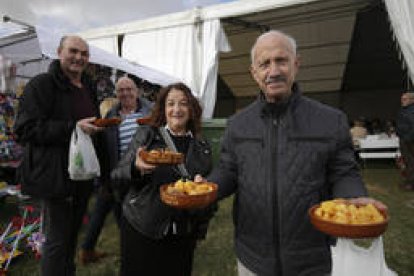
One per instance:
(125, 77)
(66, 37)
(288, 38)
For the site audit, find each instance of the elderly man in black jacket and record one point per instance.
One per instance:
(279, 156)
(52, 105)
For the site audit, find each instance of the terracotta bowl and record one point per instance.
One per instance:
(143, 120)
(107, 122)
(184, 201)
(353, 231)
(162, 158)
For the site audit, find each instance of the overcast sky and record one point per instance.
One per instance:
(80, 15)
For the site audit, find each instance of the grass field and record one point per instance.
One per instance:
(214, 256)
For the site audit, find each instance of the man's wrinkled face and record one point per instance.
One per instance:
(73, 56)
(126, 92)
(274, 67)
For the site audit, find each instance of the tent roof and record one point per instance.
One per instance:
(323, 30)
(28, 49)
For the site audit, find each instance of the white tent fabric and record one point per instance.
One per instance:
(109, 44)
(214, 41)
(402, 21)
(49, 43)
(161, 48)
(185, 51)
(27, 56)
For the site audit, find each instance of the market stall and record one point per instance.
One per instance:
(10, 151)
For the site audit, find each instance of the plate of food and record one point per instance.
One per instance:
(161, 157)
(107, 122)
(143, 120)
(186, 194)
(341, 218)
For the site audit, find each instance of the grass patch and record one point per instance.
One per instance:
(214, 256)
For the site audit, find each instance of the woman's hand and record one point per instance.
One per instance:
(199, 179)
(141, 165)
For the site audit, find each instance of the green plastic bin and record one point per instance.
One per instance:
(213, 130)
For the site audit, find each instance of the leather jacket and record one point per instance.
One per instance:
(143, 207)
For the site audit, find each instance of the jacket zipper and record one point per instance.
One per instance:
(274, 135)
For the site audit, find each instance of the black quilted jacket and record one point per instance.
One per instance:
(279, 160)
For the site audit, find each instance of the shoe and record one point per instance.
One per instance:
(90, 256)
(407, 187)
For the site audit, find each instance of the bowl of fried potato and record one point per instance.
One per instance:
(161, 157)
(341, 218)
(188, 194)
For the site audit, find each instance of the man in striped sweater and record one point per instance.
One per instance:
(130, 107)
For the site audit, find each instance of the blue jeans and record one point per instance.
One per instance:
(104, 203)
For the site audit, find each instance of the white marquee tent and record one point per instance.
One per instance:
(194, 45)
(187, 44)
(32, 51)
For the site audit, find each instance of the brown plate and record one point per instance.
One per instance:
(107, 122)
(185, 201)
(144, 120)
(354, 231)
(161, 157)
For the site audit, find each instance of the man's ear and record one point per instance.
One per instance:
(297, 61)
(253, 72)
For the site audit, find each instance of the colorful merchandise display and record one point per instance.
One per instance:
(10, 151)
(22, 234)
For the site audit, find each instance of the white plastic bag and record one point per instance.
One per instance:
(83, 163)
(351, 259)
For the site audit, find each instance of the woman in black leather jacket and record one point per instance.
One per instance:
(157, 239)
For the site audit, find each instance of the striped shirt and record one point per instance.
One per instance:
(127, 130)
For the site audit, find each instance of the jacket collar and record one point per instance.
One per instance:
(279, 108)
(62, 80)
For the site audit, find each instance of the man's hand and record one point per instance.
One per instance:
(366, 200)
(87, 125)
(199, 179)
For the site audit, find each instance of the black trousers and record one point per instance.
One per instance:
(140, 255)
(62, 221)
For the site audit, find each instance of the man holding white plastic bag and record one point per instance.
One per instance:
(53, 105)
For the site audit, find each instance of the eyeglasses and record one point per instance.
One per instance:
(126, 89)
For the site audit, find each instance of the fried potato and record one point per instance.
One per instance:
(340, 211)
(189, 188)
